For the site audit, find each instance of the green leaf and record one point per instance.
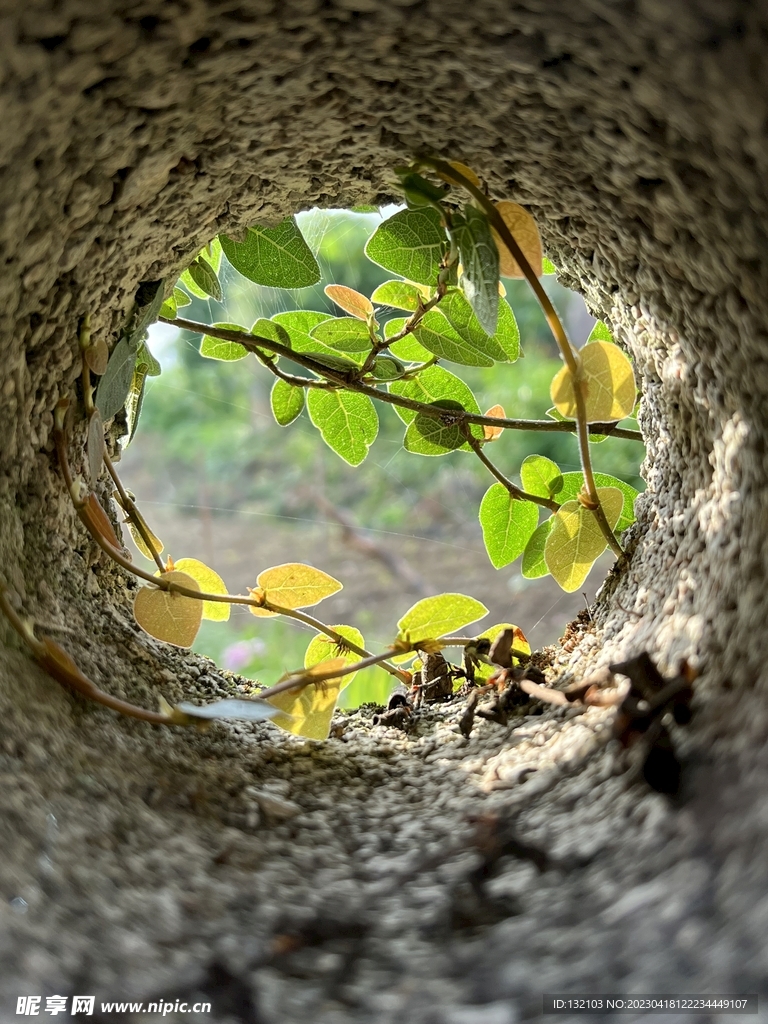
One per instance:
(226, 351)
(436, 334)
(149, 301)
(364, 208)
(204, 276)
(387, 367)
(573, 483)
(277, 257)
(411, 243)
(168, 308)
(180, 297)
(480, 259)
(547, 266)
(134, 402)
(504, 346)
(346, 333)
(287, 402)
(600, 332)
(264, 328)
(541, 476)
(400, 295)
(323, 648)
(299, 324)
(427, 435)
(408, 347)
(533, 565)
(115, 385)
(575, 540)
(507, 524)
(212, 253)
(433, 385)
(418, 191)
(347, 422)
(438, 616)
(145, 358)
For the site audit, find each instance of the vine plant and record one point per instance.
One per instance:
(447, 249)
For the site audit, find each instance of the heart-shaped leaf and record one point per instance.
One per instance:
(278, 257)
(209, 582)
(166, 616)
(494, 433)
(287, 402)
(438, 616)
(411, 243)
(400, 295)
(610, 384)
(575, 539)
(523, 229)
(293, 585)
(541, 476)
(307, 712)
(533, 565)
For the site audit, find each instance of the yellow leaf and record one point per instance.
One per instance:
(519, 639)
(349, 300)
(523, 229)
(462, 169)
(209, 582)
(168, 616)
(138, 540)
(492, 433)
(576, 540)
(610, 384)
(294, 585)
(308, 711)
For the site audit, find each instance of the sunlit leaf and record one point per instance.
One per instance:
(226, 351)
(299, 325)
(168, 308)
(209, 582)
(408, 347)
(149, 299)
(347, 422)
(181, 298)
(519, 639)
(287, 402)
(322, 649)
(434, 384)
(480, 259)
(387, 367)
(547, 267)
(504, 346)
(574, 481)
(436, 334)
(494, 433)
(428, 435)
(145, 359)
(523, 229)
(411, 243)
(350, 300)
(116, 383)
(139, 541)
(533, 564)
(610, 384)
(418, 190)
(434, 617)
(345, 333)
(400, 295)
(541, 476)
(600, 332)
(253, 710)
(205, 277)
(166, 616)
(212, 252)
(278, 257)
(294, 585)
(575, 540)
(308, 712)
(507, 524)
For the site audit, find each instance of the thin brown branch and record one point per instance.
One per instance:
(514, 491)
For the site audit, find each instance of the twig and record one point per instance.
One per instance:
(514, 491)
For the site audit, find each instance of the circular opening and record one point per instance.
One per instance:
(221, 481)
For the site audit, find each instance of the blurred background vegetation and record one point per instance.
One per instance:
(222, 482)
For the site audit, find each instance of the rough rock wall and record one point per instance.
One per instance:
(142, 863)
